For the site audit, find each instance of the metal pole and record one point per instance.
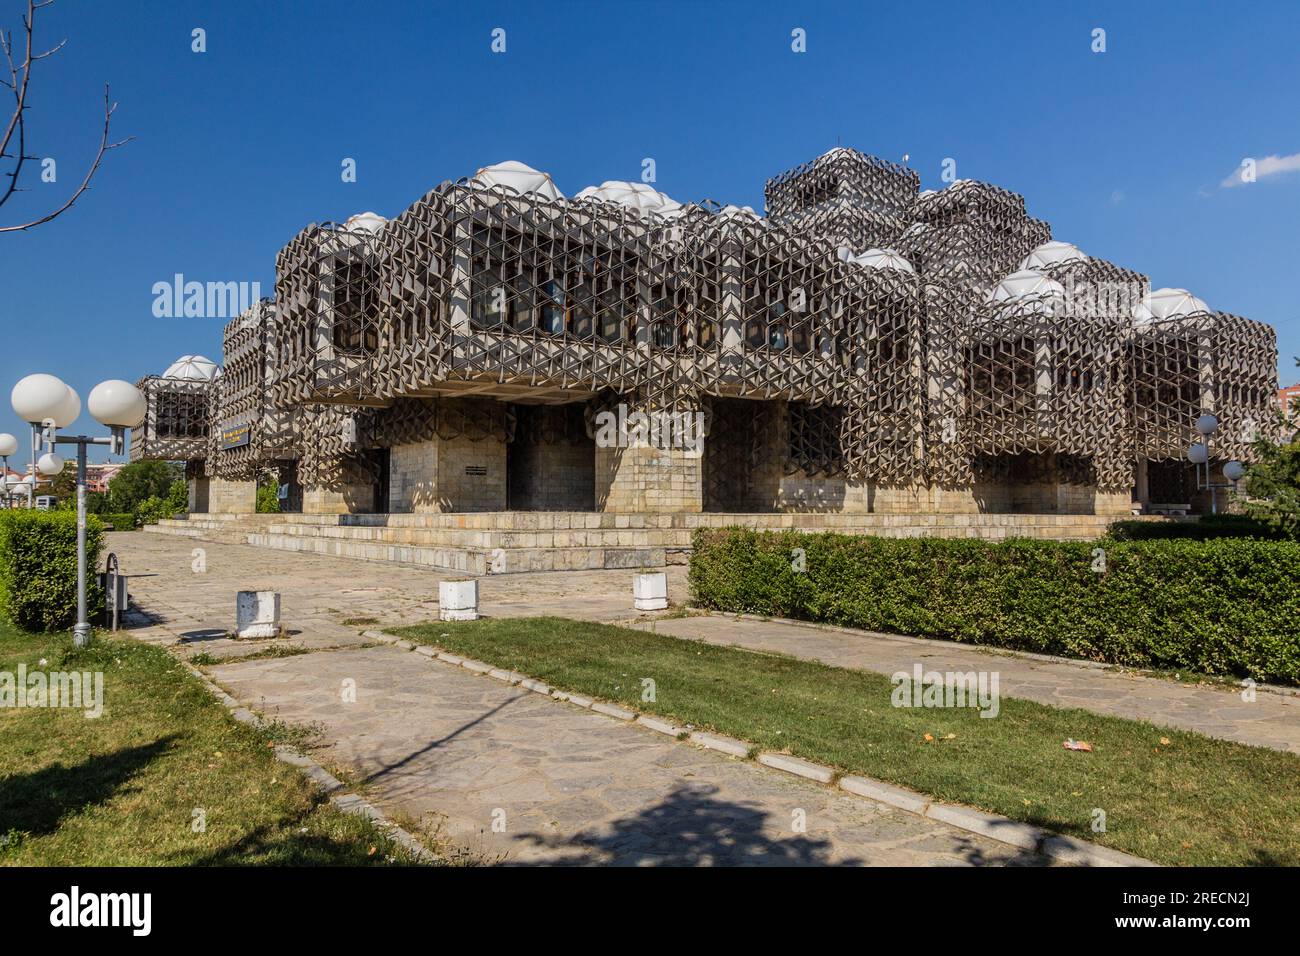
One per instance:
(31, 485)
(81, 633)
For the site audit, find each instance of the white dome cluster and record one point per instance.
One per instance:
(640, 197)
(876, 259)
(1163, 304)
(1051, 254)
(192, 368)
(522, 178)
(1026, 282)
(370, 222)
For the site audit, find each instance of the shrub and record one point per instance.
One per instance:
(1219, 606)
(1208, 526)
(152, 510)
(268, 498)
(38, 567)
(120, 522)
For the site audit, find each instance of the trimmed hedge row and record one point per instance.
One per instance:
(1209, 526)
(38, 567)
(1227, 606)
(120, 522)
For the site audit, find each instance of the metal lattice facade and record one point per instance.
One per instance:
(936, 339)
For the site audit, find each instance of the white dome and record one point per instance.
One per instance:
(730, 211)
(519, 177)
(370, 222)
(877, 259)
(1026, 282)
(640, 197)
(192, 368)
(1053, 253)
(1165, 304)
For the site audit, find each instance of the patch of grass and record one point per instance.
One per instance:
(277, 732)
(359, 621)
(1192, 801)
(123, 789)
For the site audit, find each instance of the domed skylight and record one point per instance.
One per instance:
(1053, 253)
(370, 222)
(877, 259)
(192, 368)
(1026, 282)
(641, 197)
(1165, 304)
(519, 177)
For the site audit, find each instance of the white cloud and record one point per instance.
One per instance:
(1268, 166)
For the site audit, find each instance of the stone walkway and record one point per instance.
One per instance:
(461, 752)
(565, 785)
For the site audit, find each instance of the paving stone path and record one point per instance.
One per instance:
(461, 752)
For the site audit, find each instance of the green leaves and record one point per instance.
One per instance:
(38, 567)
(1227, 605)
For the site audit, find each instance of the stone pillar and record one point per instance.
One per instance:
(231, 497)
(198, 494)
(344, 500)
(441, 475)
(644, 479)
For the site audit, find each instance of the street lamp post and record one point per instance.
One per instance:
(8, 445)
(48, 405)
(1199, 455)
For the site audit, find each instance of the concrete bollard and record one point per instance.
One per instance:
(650, 591)
(458, 600)
(257, 614)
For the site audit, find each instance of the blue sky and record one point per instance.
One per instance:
(239, 147)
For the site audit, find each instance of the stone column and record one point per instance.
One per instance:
(231, 497)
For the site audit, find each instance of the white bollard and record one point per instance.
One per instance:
(650, 591)
(458, 600)
(257, 614)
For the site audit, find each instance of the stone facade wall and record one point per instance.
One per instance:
(349, 499)
(441, 475)
(555, 476)
(231, 497)
(645, 479)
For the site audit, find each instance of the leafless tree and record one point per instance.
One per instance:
(20, 60)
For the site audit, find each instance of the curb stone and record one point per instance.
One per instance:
(798, 767)
(1002, 829)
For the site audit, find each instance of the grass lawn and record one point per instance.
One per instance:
(122, 789)
(1191, 801)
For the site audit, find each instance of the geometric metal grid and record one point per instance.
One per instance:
(901, 376)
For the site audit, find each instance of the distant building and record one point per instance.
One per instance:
(1288, 403)
(98, 476)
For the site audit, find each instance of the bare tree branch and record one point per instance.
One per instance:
(18, 82)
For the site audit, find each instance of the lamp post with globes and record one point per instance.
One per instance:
(1199, 455)
(8, 445)
(48, 405)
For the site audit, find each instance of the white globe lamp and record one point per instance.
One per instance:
(1207, 425)
(1198, 454)
(40, 396)
(117, 404)
(49, 464)
(1234, 470)
(8, 444)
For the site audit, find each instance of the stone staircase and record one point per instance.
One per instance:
(504, 542)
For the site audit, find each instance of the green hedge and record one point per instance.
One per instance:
(120, 522)
(1227, 606)
(38, 567)
(1209, 526)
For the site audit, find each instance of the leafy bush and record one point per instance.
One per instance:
(120, 522)
(268, 498)
(38, 567)
(152, 510)
(1219, 606)
(141, 480)
(1208, 526)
